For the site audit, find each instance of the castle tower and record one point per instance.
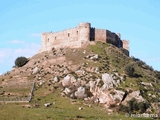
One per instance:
(84, 33)
(43, 42)
(125, 44)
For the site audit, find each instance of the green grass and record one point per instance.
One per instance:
(61, 110)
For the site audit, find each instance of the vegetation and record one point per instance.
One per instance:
(134, 106)
(129, 70)
(111, 60)
(21, 61)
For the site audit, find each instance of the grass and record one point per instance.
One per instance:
(61, 110)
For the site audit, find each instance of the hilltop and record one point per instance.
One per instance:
(93, 82)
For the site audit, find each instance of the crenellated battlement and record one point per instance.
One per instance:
(80, 36)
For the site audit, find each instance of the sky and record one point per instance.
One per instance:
(23, 21)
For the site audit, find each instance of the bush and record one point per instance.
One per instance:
(129, 70)
(21, 61)
(134, 106)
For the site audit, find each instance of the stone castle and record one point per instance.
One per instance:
(80, 36)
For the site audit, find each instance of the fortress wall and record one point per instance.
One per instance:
(80, 36)
(66, 38)
(125, 44)
(100, 35)
(113, 39)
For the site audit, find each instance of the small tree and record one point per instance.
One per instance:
(129, 70)
(21, 61)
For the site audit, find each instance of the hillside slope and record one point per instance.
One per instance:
(91, 78)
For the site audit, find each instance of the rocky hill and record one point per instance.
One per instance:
(99, 74)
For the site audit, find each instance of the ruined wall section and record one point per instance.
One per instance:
(66, 38)
(113, 38)
(98, 35)
(73, 38)
(125, 44)
(105, 36)
(80, 36)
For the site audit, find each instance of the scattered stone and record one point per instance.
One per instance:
(47, 104)
(27, 106)
(146, 84)
(55, 79)
(67, 91)
(80, 108)
(35, 70)
(41, 83)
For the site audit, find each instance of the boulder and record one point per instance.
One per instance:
(108, 81)
(146, 84)
(67, 91)
(117, 96)
(55, 79)
(35, 70)
(66, 81)
(136, 95)
(80, 93)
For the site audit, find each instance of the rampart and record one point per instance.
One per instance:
(80, 36)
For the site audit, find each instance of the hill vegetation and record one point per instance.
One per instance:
(95, 82)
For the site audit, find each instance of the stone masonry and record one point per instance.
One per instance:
(80, 36)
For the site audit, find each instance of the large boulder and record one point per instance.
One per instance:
(80, 93)
(117, 96)
(136, 95)
(35, 70)
(66, 81)
(108, 81)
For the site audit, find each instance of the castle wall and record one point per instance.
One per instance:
(80, 36)
(125, 44)
(100, 35)
(73, 38)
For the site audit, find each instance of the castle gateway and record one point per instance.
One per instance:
(80, 36)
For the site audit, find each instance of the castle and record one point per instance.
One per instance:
(80, 36)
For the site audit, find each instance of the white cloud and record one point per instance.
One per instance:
(36, 35)
(8, 56)
(17, 41)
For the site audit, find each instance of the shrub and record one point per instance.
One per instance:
(134, 106)
(21, 61)
(129, 70)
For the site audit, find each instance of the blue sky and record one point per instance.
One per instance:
(23, 21)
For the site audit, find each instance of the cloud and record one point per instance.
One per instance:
(8, 55)
(17, 41)
(36, 35)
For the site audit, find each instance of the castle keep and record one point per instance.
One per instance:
(80, 36)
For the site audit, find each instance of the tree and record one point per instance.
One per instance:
(21, 61)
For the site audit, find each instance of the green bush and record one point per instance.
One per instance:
(129, 70)
(134, 106)
(21, 61)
